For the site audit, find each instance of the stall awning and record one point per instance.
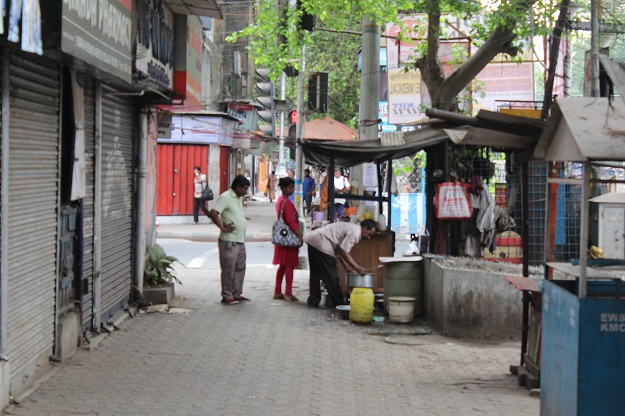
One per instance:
(208, 8)
(356, 152)
(582, 129)
(616, 72)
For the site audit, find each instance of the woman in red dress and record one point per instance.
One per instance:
(286, 257)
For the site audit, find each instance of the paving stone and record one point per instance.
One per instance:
(261, 358)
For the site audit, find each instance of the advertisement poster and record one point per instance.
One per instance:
(404, 96)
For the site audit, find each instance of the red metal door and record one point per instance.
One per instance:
(174, 176)
(224, 169)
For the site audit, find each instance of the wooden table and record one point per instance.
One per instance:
(366, 253)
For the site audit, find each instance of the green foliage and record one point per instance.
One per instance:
(276, 41)
(337, 54)
(159, 268)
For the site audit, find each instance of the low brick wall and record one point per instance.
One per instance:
(472, 302)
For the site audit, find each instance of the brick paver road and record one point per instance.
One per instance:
(274, 358)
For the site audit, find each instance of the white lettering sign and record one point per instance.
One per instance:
(612, 322)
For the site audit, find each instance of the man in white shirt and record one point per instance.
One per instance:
(341, 186)
(325, 245)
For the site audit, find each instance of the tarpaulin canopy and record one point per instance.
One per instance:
(352, 153)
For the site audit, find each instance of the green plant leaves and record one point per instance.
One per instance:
(159, 268)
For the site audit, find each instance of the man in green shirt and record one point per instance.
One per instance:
(229, 216)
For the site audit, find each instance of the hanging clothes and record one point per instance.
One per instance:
(481, 227)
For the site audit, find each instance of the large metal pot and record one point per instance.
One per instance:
(360, 280)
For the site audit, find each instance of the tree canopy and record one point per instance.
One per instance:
(498, 27)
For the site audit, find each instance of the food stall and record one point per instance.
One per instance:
(352, 153)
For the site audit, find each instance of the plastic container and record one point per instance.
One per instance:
(401, 309)
(361, 302)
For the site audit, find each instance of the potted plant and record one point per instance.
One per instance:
(159, 276)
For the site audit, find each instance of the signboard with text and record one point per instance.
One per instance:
(100, 33)
(199, 129)
(154, 42)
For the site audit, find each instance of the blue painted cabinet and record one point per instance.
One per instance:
(583, 349)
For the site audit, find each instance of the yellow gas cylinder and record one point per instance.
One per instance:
(361, 305)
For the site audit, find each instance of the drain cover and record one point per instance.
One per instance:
(407, 340)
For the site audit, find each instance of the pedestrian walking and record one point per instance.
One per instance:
(229, 216)
(271, 186)
(308, 189)
(341, 186)
(199, 183)
(325, 245)
(286, 257)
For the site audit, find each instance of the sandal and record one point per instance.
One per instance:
(278, 296)
(290, 298)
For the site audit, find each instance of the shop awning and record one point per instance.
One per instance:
(208, 8)
(356, 152)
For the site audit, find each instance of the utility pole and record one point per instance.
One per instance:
(369, 95)
(594, 48)
(299, 135)
(369, 80)
(281, 171)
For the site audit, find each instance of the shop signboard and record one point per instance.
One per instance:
(154, 58)
(100, 34)
(191, 128)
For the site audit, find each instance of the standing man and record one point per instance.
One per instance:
(341, 186)
(199, 183)
(229, 216)
(308, 189)
(327, 243)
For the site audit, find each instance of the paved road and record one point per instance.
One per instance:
(274, 358)
(204, 254)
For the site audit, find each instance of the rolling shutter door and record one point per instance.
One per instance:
(87, 211)
(117, 202)
(32, 216)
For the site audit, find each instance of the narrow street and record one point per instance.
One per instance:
(268, 357)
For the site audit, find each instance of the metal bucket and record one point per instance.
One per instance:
(360, 280)
(404, 277)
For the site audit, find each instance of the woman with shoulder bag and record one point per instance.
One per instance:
(286, 257)
(199, 182)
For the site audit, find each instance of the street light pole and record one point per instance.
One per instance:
(573, 7)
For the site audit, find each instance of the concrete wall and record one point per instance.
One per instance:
(476, 303)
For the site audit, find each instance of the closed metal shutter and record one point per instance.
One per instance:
(32, 229)
(87, 211)
(117, 202)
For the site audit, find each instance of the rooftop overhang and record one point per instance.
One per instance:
(208, 8)
(583, 129)
(616, 72)
(491, 129)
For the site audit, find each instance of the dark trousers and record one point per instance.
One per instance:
(197, 204)
(323, 268)
(308, 202)
(339, 210)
